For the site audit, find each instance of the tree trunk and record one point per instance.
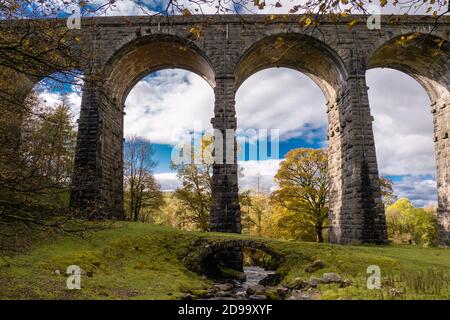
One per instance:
(319, 234)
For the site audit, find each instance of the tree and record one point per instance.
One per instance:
(255, 212)
(142, 190)
(412, 225)
(303, 189)
(387, 191)
(196, 185)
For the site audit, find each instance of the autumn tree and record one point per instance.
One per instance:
(196, 185)
(256, 211)
(142, 192)
(303, 190)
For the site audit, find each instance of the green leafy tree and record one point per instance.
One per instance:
(408, 224)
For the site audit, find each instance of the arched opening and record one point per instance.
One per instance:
(162, 106)
(49, 134)
(278, 110)
(283, 82)
(405, 125)
(149, 54)
(164, 112)
(300, 52)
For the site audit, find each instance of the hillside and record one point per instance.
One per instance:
(143, 261)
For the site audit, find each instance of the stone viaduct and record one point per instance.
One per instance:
(227, 49)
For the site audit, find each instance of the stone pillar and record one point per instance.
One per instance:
(225, 209)
(441, 120)
(356, 209)
(98, 169)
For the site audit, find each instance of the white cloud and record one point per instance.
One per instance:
(258, 174)
(72, 99)
(282, 99)
(422, 192)
(165, 107)
(168, 181)
(403, 126)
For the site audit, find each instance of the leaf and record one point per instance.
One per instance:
(383, 3)
(278, 5)
(352, 23)
(186, 13)
(305, 21)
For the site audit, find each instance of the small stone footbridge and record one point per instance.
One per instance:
(203, 249)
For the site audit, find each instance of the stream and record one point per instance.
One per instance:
(239, 290)
(254, 275)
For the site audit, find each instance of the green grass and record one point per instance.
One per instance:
(143, 261)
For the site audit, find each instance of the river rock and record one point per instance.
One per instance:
(331, 277)
(257, 297)
(316, 265)
(222, 294)
(256, 290)
(241, 295)
(224, 286)
(271, 280)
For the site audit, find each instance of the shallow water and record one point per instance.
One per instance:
(254, 275)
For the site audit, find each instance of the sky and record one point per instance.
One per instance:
(165, 106)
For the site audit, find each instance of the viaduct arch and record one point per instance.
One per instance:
(229, 49)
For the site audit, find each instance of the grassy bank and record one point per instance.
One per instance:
(143, 261)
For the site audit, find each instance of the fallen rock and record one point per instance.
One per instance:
(331, 277)
(316, 265)
(271, 280)
(302, 295)
(314, 281)
(187, 296)
(346, 283)
(283, 291)
(298, 284)
(256, 290)
(57, 272)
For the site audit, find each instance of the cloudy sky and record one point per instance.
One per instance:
(167, 105)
